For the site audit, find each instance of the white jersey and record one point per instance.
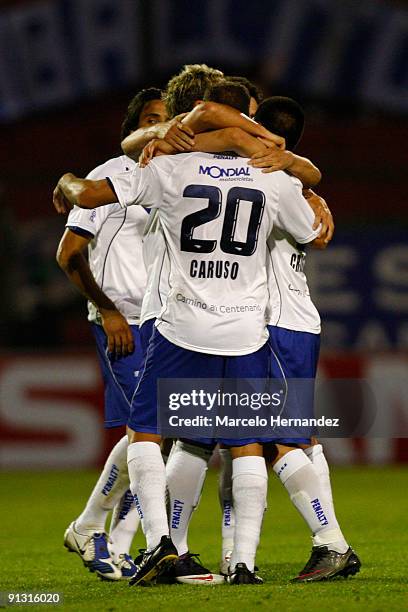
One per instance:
(115, 251)
(157, 264)
(216, 213)
(290, 303)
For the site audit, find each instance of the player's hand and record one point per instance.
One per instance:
(269, 139)
(272, 160)
(323, 217)
(155, 147)
(118, 332)
(180, 136)
(60, 200)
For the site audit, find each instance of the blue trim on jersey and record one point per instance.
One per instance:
(80, 231)
(120, 376)
(295, 354)
(112, 187)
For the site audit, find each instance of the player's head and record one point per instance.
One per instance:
(146, 108)
(284, 117)
(254, 92)
(189, 86)
(232, 94)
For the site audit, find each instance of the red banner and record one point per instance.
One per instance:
(51, 410)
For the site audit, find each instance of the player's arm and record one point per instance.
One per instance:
(323, 217)
(294, 214)
(212, 116)
(71, 259)
(178, 135)
(128, 188)
(217, 141)
(85, 193)
(262, 155)
(300, 167)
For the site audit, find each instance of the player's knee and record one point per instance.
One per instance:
(282, 450)
(248, 450)
(204, 451)
(138, 436)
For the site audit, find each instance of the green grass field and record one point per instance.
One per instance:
(372, 508)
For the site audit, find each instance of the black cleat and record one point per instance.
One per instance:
(242, 575)
(325, 564)
(188, 569)
(153, 561)
(353, 566)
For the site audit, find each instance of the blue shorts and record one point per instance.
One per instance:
(146, 332)
(167, 360)
(295, 354)
(120, 376)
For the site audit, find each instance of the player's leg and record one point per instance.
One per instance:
(125, 517)
(124, 523)
(227, 508)
(295, 356)
(146, 467)
(86, 535)
(249, 477)
(185, 471)
(148, 485)
(314, 452)
(331, 554)
(249, 490)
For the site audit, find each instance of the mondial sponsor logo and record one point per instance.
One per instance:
(217, 172)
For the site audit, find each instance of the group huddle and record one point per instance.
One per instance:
(196, 249)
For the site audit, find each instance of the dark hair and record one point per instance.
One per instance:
(284, 117)
(253, 89)
(232, 94)
(135, 108)
(188, 86)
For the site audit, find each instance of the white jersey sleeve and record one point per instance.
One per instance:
(115, 249)
(141, 186)
(90, 221)
(290, 304)
(294, 214)
(157, 264)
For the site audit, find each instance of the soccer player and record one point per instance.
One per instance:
(294, 337)
(114, 282)
(187, 466)
(283, 116)
(255, 93)
(294, 331)
(194, 82)
(180, 347)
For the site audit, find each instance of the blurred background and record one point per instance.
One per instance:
(67, 71)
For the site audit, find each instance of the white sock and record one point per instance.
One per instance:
(148, 483)
(316, 456)
(112, 484)
(249, 487)
(225, 497)
(185, 474)
(301, 480)
(124, 524)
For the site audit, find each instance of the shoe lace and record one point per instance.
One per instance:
(90, 546)
(124, 561)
